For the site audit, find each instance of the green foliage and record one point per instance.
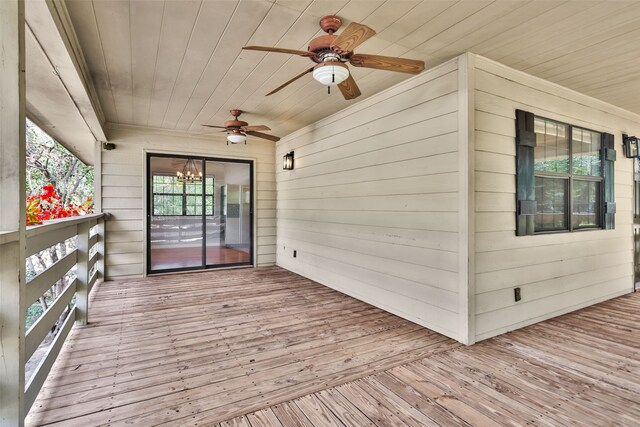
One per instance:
(48, 162)
(33, 313)
(557, 166)
(584, 165)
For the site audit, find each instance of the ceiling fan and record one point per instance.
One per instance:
(237, 130)
(331, 52)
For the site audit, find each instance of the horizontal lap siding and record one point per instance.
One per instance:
(371, 208)
(123, 192)
(557, 273)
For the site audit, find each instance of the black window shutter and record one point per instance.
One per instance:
(525, 180)
(608, 162)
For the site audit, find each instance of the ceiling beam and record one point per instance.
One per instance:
(63, 100)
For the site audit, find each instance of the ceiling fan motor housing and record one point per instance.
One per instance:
(321, 46)
(235, 124)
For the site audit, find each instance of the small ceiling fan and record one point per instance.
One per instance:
(331, 52)
(237, 130)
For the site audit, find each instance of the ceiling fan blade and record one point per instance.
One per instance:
(349, 88)
(280, 50)
(352, 36)
(291, 81)
(263, 135)
(254, 128)
(388, 63)
(211, 126)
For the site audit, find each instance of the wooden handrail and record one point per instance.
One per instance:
(9, 237)
(56, 224)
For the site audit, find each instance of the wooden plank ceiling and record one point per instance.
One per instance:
(179, 64)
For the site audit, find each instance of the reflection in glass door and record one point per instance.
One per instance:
(202, 222)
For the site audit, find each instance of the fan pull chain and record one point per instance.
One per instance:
(333, 80)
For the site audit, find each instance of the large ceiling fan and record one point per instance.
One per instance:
(237, 130)
(331, 52)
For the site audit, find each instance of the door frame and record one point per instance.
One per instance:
(636, 225)
(148, 211)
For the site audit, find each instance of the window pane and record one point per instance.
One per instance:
(209, 200)
(194, 205)
(175, 186)
(586, 200)
(194, 188)
(552, 146)
(551, 204)
(167, 205)
(157, 205)
(586, 152)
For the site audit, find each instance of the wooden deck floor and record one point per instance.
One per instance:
(265, 347)
(217, 345)
(581, 369)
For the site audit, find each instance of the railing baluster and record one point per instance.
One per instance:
(82, 273)
(100, 231)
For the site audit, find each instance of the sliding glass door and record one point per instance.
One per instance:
(199, 213)
(229, 228)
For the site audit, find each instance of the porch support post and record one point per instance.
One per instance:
(97, 207)
(82, 274)
(12, 213)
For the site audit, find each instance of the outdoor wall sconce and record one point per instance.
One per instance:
(630, 146)
(287, 161)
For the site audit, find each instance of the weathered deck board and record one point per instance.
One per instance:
(216, 345)
(578, 369)
(265, 347)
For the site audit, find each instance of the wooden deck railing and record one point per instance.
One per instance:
(88, 258)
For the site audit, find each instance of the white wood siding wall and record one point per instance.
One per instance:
(123, 190)
(557, 273)
(372, 206)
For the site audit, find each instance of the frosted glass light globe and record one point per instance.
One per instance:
(330, 73)
(236, 138)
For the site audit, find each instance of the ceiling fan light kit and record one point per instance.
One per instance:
(330, 73)
(236, 138)
(331, 53)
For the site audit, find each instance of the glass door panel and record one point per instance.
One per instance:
(229, 229)
(174, 216)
